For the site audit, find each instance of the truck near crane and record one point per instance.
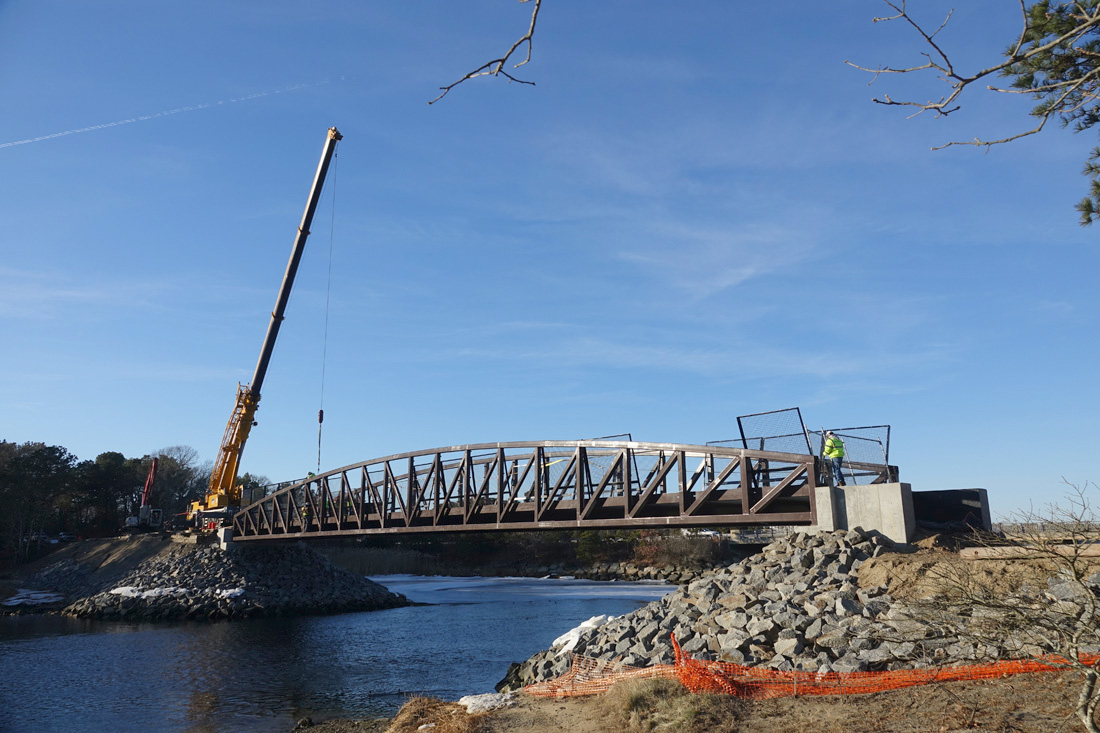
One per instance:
(223, 497)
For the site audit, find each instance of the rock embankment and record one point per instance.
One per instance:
(206, 583)
(795, 606)
(677, 574)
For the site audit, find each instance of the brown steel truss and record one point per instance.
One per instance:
(547, 485)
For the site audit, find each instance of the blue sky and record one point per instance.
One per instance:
(696, 213)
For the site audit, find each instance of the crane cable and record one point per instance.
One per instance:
(328, 290)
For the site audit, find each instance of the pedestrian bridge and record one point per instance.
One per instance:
(584, 484)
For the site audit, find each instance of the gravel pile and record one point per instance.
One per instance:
(67, 577)
(209, 583)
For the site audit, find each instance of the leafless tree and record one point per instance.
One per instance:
(1052, 614)
(1065, 96)
(181, 478)
(496, 66)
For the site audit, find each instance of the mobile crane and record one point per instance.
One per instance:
(147, 518)
(224, 495)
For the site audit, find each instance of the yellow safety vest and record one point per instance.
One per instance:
(834, 448)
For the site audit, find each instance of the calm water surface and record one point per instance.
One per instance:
(60, 674)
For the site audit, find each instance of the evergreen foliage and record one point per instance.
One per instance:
(1065, 78)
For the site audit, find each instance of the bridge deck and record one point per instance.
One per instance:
(547, 485)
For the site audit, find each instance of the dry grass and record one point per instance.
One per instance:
(1029, 703)
(1039, 703)
(665, 705)
(448, 717)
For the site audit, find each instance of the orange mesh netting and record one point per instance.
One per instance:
(591, 676)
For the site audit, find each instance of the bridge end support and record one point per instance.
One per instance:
(885, 508)
(225, 536)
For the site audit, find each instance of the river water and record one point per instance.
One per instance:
(61, 674)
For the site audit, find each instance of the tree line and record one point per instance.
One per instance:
(46, 490)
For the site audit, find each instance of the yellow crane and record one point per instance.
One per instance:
(224, 495)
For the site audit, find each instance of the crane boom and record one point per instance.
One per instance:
(224, 493)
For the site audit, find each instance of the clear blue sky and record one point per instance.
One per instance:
(697, 213)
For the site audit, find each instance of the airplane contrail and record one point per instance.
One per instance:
(165, 113)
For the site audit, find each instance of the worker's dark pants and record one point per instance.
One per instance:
(838, 475)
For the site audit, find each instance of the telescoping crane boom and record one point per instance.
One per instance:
(147, 518)
(224, 494)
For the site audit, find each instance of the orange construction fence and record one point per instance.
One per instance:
(592, 676)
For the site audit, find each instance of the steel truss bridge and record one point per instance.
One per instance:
(586, 484)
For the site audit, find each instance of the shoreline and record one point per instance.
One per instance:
(892, 571)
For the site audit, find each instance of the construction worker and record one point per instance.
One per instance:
(834, 451)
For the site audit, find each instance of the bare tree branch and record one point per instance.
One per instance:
(1055, 59)
(496, 66)
(1059, 104)
(1087, 20)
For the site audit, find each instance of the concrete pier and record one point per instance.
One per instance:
(894, 509)
(885, 508)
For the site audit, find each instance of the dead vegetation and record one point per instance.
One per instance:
(1035, 703)
(642, 706)
(443, 717)
(920, 575)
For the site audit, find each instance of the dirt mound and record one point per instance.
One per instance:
(917, 575)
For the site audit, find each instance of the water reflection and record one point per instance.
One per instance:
(264, 674)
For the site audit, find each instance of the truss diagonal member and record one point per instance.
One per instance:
(381, 507)
(328, 506)
(391, 487)
(656, 476)
(444, 491)
(590, 504)
(551, 498)
(433, 481)
(774, 491)
(269, 511)
(251, 522)
(483, 490)
(293, 511)
(713, 486)
(281, 513)
(520, 477)
(311, 502)
(348, 504)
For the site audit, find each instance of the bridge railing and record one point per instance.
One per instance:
(544, 485)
